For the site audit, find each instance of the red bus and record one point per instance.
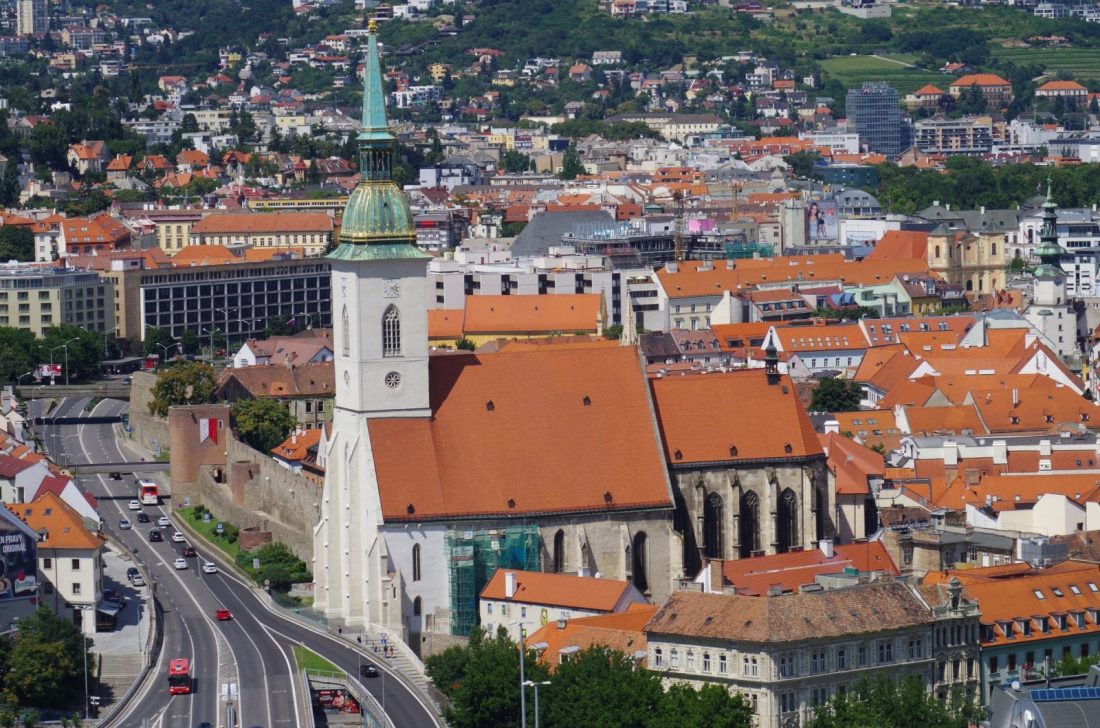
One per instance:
(179, 676)
(147, 492)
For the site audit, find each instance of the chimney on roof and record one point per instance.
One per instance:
(826, 546)
(832, 426)
(509, 584)
(562, 622)
(775, 590)
(1015, 397)
(671, 267)
(730, 265)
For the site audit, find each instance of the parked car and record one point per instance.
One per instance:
(132, 572)
(208, 567)
(154, 535)
(181, 563)
(177, 537)
(222, 614)
(134, 505)
(116, 476)
(124, 524)
(113, 597)
(143, 517)
(137, 580)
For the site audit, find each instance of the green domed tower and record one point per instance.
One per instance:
(377, 222)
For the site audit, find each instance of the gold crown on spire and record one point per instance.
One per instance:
(372, 25)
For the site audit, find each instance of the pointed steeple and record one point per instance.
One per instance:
(375, 125)
(1049, 251)
(377, 222)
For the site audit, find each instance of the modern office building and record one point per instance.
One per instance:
(237, 298)
(874, 112)
(38, 297)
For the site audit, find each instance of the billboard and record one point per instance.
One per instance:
(18, 559)
(46, 371)
(822, 222)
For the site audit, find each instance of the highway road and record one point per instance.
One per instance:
(256, 646)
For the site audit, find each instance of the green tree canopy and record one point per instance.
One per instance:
(16, 243)
(43, 664)
(886, 703)
(571, 166)
(190, 383)
(836, 395)
(515, 162)
(263, 423)
(84, 355)
(160, 342)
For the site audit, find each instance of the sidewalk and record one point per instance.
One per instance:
(120, 653)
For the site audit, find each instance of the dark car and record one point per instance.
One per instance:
(368, 670)
(132, 572)
(154, 535)
(189, 551)
(113, 597)
(116, 476)
(143, 517)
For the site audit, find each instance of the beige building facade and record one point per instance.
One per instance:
(36, 299)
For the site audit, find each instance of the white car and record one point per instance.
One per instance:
(181, 563)
(208, 567)
(163, 521)
(124, 524)
(177, 537)
(134, 505)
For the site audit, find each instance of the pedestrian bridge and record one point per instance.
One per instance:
(104, 390)
(143, 466)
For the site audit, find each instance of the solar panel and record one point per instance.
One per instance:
(1052, 694)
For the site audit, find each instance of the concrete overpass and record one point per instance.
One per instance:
(105, 390)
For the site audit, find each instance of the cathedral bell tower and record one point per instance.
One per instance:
(380, 321)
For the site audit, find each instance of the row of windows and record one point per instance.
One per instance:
(1013, 660)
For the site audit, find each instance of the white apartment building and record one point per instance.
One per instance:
(790, 653)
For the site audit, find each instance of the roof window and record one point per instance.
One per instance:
(1039, 594)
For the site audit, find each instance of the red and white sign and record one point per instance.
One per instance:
(208, 429)
(47, 371)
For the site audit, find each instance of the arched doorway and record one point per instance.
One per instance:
(786, 521)
(712, 526)
(750, 523)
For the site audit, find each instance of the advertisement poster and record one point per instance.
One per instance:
(18, 563)
(821, 220)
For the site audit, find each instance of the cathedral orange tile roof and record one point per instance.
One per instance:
(702, 418)
(521, 433)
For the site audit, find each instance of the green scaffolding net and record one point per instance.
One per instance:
(472, 557)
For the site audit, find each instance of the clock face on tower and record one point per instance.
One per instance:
(391, 288)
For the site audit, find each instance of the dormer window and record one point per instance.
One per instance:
(1062, 623)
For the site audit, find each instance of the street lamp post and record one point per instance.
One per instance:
(522, 678)
(19, 379)
(167, 348)
(64, 346)
(309, 319)
(536, 685)
(226, 312)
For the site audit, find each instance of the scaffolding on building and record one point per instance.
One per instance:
(739, 251)
(472, 557)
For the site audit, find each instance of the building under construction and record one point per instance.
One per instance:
(627, 246)
(472, 557)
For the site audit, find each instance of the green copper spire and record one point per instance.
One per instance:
(1049, 251)
(377, 222)
(376, 127)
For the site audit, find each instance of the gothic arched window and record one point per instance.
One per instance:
(559, 552)
(416, 562)
(391, 332)
(345, 332)
(712, 526)
(638, 564)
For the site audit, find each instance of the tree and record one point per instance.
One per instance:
(886, 703)
(486, 693)
(83, 356)
(159, 341)
(515, 162)
(44, 662)
(613, 332)
(18, 353)
(712, 706)
(16, 243)
(571, 166)
(9, 189)
(263, 423)
(802, 162)
(189, 341)
(836, 395)
(48, 146)
(190, 383)
(465, 344)
(278, 326)
(601, 687)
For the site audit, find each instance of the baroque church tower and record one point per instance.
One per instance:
(380, 323)
(1050, 312)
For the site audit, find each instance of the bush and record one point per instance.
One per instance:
(230, 532)
(277, 565)
(197, 512)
